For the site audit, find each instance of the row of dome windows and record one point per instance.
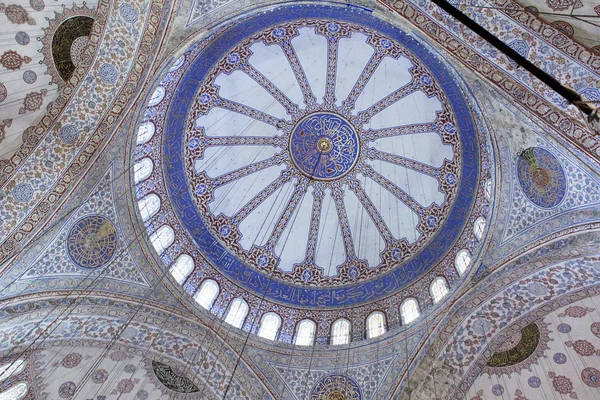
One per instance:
(164, 236)
(17, 391)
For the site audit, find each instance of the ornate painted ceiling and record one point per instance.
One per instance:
(203, 182)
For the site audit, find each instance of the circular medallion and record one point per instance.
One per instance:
(595, 329)
(559, 358)
(564, 328)
(324, 146)
(542, 177)
(92, 241)
(22, 38)
(29, 76)
(3, 92)
(335, 387)
(534, 382)
(353, 175)
(23, 192)
(591, 377)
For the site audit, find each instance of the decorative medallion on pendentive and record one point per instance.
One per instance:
(541, 177)
(92, 241)
(172, 379)
(65, 40)
(324, 146)
(335, 387)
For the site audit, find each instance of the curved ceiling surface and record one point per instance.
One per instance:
(327, 158)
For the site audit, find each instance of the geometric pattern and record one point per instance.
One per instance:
(542, 177)
(92, 241)
(336, 387)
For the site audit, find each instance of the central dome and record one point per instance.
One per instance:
(320, 157)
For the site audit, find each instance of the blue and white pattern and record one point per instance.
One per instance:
(386, 204)
(92, 241)
(335, 387)
(542, 177)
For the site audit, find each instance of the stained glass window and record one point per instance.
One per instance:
(463, 259)
(409, 311)
(142, 169)
(162, 238)
(148, 206)
(182, 268)
(209, 290)
(237, 312)
(269, 326)
(375, 324)
(439, 289)
(305, 335)
(340, 332)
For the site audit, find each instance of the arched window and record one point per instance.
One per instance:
(162, 238)
(157, 96)
(375, 324)
(463, 259)
(11, 368)
(409, 311)
(209, 290)
(142, 169)
(438, 289)
(182, 268)
(305, 335)
(16, 392)
(145, 132)
(148, 206)
(488, 189)
(479, 227)
(238, 309)
(269, 326)
(340, 332)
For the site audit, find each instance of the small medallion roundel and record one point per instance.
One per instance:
(542, 177)
(335, 387)
(92, 241)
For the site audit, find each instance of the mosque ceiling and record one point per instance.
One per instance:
(527, 169)
(38, 42)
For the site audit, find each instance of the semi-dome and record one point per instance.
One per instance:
(313, 164)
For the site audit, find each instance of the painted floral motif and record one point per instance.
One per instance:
(72, 360)
(3, 92)
(576, 312)
(100, 376)
(561, 5)
(595, 329)
(126, 385)
(564, 27)
(3, 125)
(541, 177)
(33, 101)
(16, 14)
(12, 60)
(591, 377)
(478, 395)
(519, 395)
(583, 348)
(67, 390)
(562, 385)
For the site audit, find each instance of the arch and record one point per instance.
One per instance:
(238, 310)
(182, 268)
(16, 392)
(148, 206)
(269, 326)
(340, 332)
(438, 289)
(462, 261)
(208, 292)
(145, 132)
(162, 238)
(305, 333)
(375, 324)
(142, 169)
(11, 368)
(479, 228)
(488, 189)
(409, 310)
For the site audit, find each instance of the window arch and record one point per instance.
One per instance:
(305, 334)
(269, 326)
(142, 169)
(479, 228)
(488, 189)
(145, 132)
(340, 332)
(148, 206)
(409, 310)
(208, 292)
(16, 392)
(11, 368)
(182, 268)
(462, 261)
(238, 310)
(438, 289)
(375, 324)
(162, 238)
